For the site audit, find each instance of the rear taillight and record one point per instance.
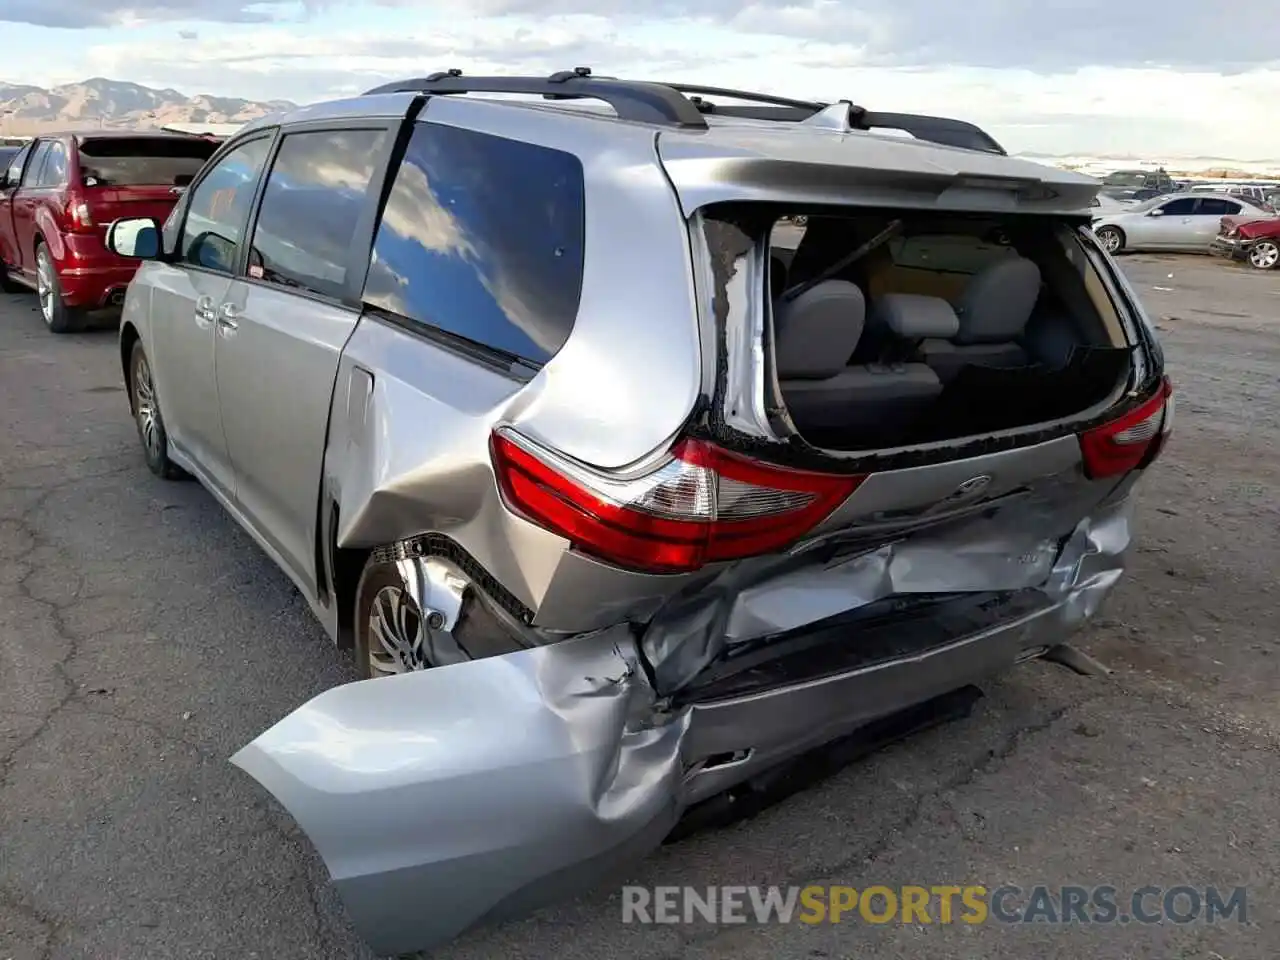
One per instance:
(701, 504)
(1131, 441)
(79, 217)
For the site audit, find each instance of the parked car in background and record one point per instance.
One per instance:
(633, 495)
(7, 153)
(1255, 240)
(1184, 221)
(1137, 185)
(59, 194)
(1254, 193)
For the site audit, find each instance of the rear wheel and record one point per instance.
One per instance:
(1111, 238)
(147, 416)
(394, 633)
(58, 317)
(1264, 255)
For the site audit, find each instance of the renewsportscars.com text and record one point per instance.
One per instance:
(936, 903)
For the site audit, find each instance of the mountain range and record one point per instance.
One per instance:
(98, 102)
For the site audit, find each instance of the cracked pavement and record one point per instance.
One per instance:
(144, 638)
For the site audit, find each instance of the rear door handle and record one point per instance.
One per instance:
(229, 316)
(204, 309)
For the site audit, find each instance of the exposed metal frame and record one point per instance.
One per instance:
(682, 104)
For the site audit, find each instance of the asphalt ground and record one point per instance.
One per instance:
(144, 638)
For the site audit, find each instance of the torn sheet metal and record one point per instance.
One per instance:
(460, 796)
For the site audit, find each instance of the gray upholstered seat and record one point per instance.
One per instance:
(814, 337)
(993, 312)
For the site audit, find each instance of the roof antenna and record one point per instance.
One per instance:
(444, 75)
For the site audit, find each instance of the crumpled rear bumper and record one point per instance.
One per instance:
(465, 795)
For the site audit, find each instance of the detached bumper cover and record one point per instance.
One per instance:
(1232, 248)
(465, 795)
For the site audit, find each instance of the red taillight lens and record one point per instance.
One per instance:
(79, 216)
(700, 505)
(1131, 441)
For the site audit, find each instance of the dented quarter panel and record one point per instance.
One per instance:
(450, 798)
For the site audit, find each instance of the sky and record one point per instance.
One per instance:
(1157, 79)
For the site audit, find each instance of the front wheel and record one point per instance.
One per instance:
(1264, 255)
(147, 417)
(1111, 239)
(58, 317)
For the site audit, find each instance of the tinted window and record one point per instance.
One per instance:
(482, 237)
(955, 253)
(1212, 206)
(142, 161)
(54, 173)
(1179, 208)
(310, 207)
(32, 176)
(14, 172)
(219, 207)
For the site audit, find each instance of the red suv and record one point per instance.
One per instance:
(59, 195)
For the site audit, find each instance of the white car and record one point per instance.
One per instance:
(1181, 221)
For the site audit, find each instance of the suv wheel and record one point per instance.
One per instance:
(58, 317)
(146, 415)
(1264, 255)
(394, 632)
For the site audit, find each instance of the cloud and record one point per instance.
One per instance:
(79, 14)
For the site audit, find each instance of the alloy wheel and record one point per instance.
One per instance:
(1264, 255)
(45, 286)
(1110, 240)
(398, 639)
(145, 407)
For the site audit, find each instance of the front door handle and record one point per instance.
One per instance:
(204, 309)
(229, 316)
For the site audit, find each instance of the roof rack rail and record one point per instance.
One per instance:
(842, 114)
(682, 104)
(631, 100)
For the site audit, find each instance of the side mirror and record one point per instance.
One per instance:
(1157, 212)
(137, 238)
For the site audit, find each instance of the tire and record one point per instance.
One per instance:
(145, 404)
(392, 636)
(1264, 255)
(1111, 239)
(58, 317)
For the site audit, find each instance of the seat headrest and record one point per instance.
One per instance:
(916, 317)
(815, 334)
(998, 301)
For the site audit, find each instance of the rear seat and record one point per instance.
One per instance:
(814, 337)
(993, 314)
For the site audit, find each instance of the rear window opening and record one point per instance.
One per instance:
(895, 329)
(142, 161)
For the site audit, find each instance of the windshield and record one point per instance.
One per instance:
(142, 161)
(1123, 178)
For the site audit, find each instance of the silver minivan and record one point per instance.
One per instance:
(634, 450)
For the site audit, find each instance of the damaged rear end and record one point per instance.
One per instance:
(907, 467)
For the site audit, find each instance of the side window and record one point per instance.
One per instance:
(14, 173)
(482, 238)
(947, 253)
(31, 178)
(312, 202)
(54, 173)
(1180, 208)
(219, 207)
(1213, 207)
